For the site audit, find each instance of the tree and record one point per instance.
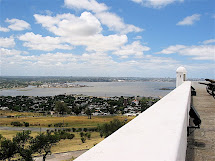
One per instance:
(76, 110)
(122, 109)
(89, 135)
(23, 146)
(89, 113)
(7, 149)
(109, 128)
(144, 104)
(61, 107)
(43, 143)
(111, 110)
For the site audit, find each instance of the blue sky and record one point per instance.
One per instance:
(134, 38)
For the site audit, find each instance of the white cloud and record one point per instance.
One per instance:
(137, 1)
(54, 58)
(97, 59)
(7, 52)
(99, 42)
(84, 30)
(91, 5)
(156, 3)
(160, 60)
(17, 25)
(7, 42)
(135, 49)
(115, 23)
(111, 20)
(93, 64)
(3, 29)
(37, 42)
(70, 25)
(202, 52)
(209, 41)
(189, 20)
(88, 64)
(172, 49)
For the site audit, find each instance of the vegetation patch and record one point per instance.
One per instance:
(69, 121)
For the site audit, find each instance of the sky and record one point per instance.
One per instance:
(108, 38)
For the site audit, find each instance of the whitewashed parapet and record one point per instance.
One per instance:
(158, 134)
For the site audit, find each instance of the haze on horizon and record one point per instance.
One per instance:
(123, 38)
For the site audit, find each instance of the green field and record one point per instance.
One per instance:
(70, 121)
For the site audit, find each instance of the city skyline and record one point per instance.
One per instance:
(127, 38)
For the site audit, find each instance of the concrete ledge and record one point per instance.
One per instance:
(159, 133)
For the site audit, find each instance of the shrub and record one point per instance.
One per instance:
(49, 125)
(88, 135)
(83, 139)
(67, 130)
(16, 123)
(93, 129)
(62, 134)
(101, 134)
(74, 129)
(26, 124)
(79, 130)
(85, 129)
(58, 125)
(81, 134)
(85, 134)
(1, 136)
(70, 136)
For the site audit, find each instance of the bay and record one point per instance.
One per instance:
(99, 89)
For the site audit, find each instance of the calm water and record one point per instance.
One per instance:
(99, 89)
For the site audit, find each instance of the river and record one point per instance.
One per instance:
(107, 89)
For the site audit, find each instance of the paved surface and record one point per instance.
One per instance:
(62, 156)
(36, 129)
(201, 143)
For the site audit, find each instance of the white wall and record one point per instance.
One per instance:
(159, 133)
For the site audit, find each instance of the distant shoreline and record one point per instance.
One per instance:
(28, 89)
(102, 89)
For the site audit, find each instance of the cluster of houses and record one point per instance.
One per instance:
(78, 104)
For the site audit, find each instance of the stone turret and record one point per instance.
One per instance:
(180, 75)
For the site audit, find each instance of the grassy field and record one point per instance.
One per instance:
(64, 145)
(15, 114)
(10, 134)
(72, 121)
(76, 144)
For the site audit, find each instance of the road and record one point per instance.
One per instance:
(62, 156)
(36, 129)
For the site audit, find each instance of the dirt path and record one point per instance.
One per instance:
(62, 156)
